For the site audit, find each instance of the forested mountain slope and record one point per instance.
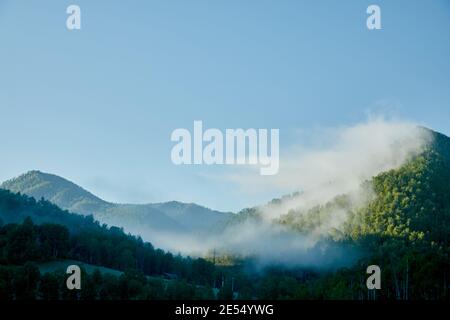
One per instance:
(411, 202)
(137, 218)
(33, 232)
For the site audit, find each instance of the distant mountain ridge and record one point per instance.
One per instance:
(57, 190)
(170, 216)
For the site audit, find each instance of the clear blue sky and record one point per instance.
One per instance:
(98, 105)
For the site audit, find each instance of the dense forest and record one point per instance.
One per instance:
(404, 229)
(24, 245)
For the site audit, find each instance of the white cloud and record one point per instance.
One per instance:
(347, 156)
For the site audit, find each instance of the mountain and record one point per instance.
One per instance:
(192, 215)
(404, 228)
(137, 218)
(411, 202)
(38, 240)
(57, 190)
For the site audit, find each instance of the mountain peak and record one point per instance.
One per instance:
(56, 189)
(173, 215)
